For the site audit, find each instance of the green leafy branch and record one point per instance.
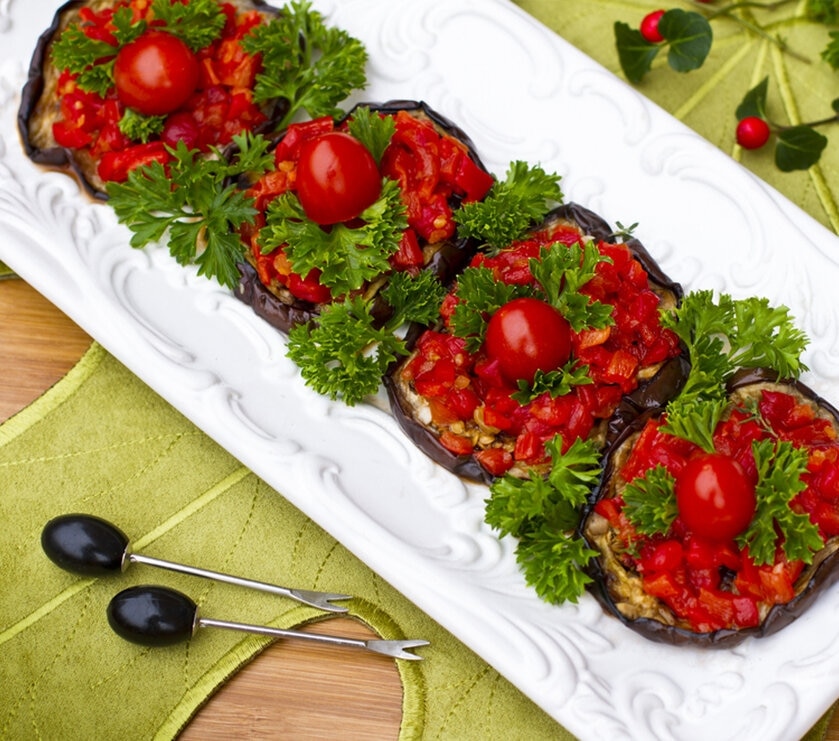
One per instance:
(797, 147)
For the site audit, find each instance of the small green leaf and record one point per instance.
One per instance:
(635, 53)
(799, 148)
(754, 103)
(830, 53)
(689, 36)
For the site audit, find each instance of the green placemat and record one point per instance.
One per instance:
(101, 442)
(706, 99)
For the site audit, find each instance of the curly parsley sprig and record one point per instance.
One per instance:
(779, 468)
(721, 337)
(192, 204)
(347, 256)
(344, 352)
(542, 513)
(511, 207)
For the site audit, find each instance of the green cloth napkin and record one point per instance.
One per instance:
(102, 442)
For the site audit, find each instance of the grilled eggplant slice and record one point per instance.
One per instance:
(728, 599)
(438, 250)
(472, 444)
(41, 103)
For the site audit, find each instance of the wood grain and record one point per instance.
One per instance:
(290, 691)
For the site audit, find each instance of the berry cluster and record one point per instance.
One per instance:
(688, 38)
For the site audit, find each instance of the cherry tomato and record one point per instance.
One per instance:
(649, 27)
(752, 132)
(156, 73)
(526, 335)
(715, 497)
(337, 178)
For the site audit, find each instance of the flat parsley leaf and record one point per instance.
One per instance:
(305, 62)
(192, 200)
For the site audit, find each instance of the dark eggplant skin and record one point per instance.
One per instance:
(284, 311)
(651, 394)
(39, 108)
(816, 578)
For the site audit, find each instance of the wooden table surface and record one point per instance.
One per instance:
(291, 690)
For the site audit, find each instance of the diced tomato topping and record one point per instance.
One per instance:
(221, 107)
(115, 165)
(457, 444)
(713, 584)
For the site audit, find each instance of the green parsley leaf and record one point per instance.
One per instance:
(556, 383)
(543, 513)
(91, 59)
(480, 295)
(830, 53)
(576, 471)
(823, 11)
(553, 563)
(347, 256)
(372, 130)
(779, 468)
(138, 127)
(650, 501)
(720, 338)
(305, 62)
(197, 23)
(413, 299)
(695, 419)
(191, 200)
(511, 207)
(344, 352)
(561, 271)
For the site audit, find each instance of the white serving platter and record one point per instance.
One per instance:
(520, 92)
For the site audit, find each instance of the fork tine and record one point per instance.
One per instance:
(321, 600)
(397, 649)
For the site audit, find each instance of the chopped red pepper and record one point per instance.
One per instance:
(716, 584)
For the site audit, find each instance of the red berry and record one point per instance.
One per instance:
(752, 132)
(649, 27)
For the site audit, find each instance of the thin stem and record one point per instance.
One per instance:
(811, 124)
(728, 12)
